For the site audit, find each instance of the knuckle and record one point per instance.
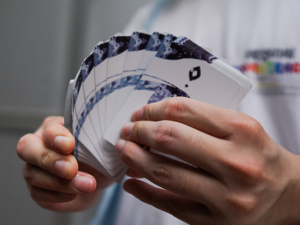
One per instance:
(47, 120)
(247, 170)
(45, 160)
(21, 146)
(50, 125)
(162, 173)
(48, 133)
(138, 131)
(149, 112)
(253, 174)
(243, 204)
(248, 126)
(183, 188)
(174, 108)
(163, 133)
(128, 154)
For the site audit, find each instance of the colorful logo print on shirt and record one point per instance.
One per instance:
(271, 62)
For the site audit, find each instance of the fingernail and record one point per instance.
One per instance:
(61, 142)
(63, 168)
(120, 145)
(126, 130)
(82, 184)
(138, 115)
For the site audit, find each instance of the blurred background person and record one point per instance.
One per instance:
(274, 97)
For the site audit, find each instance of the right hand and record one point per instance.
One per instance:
(52, 172)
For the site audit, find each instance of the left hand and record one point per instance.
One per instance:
(240, 175)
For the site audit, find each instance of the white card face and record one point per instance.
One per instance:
(151, 50)
(103, 89)
(85, 156)
(88, 130)
(211, 86)
(117, 51)
(80, 100)
(89, 139)
(98, 112)
(83, 122)
(100, 69)
(137, 45)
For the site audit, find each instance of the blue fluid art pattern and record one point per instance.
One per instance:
(196, 51)
(165, 47)
(117, 45)
(84, 71)
(138, 41)
(182, 47)
(161, 90)
(100, 53)
(155, 41)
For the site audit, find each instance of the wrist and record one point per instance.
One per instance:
(288, 205)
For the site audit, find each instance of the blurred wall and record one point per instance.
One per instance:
(42, 44)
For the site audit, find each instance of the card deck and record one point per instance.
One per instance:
(128, 72)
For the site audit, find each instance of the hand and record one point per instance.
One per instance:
(236, 173)
(51, 171)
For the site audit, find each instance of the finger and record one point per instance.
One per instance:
(81, 184)
(184, 209)
(32, 150)
(58, 119)
(133, 173)
(174, 176)
(179, 140)
(58, 138)
(208, 118)
(42, 195)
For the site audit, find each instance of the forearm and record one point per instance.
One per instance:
(287, 209)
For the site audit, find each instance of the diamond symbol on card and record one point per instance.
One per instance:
(195, 73)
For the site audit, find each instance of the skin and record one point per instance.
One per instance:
(57, 186)
(235, 173)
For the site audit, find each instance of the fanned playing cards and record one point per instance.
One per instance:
(127, 72)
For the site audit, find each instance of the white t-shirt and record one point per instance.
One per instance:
(260, 37)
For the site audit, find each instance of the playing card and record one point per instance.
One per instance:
(130, 76)
(126, 73)
(191, 74)
(131, 81)
(117, 51)
(86, 122)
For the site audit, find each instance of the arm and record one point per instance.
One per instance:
(237, 173)
(54, 178)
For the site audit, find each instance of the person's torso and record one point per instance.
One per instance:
(262, 38)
